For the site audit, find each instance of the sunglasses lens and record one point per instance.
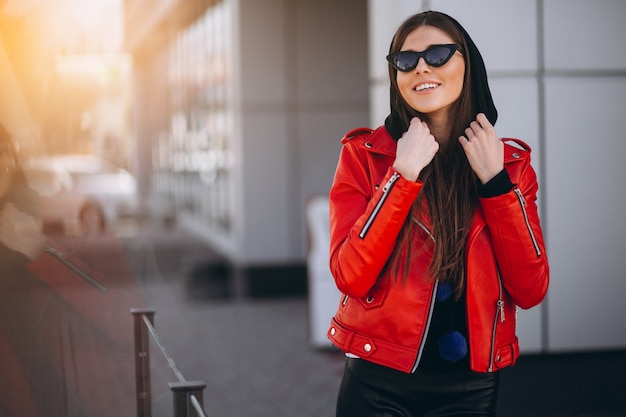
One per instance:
(404, 61)
(438, 55)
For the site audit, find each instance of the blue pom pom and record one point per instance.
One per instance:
(444, 291)
(452, 346)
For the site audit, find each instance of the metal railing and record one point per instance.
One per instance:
(187, 395)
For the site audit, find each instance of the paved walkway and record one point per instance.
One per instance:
(255, 357)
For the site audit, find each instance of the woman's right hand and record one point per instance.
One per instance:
(416, 149)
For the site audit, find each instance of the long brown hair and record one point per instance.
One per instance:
(449, 195)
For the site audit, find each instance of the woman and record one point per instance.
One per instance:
(435, 237)
(65, 325)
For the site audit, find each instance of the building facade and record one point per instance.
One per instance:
(240, 107)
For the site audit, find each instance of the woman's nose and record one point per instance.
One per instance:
(422, 66)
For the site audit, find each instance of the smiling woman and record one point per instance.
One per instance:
(422, 211)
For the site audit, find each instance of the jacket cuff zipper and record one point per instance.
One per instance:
(386, 189)
(522, 202)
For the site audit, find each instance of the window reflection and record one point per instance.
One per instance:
(192, 156)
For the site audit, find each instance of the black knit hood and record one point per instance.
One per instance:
(481, 94)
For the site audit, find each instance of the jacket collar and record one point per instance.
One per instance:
(380, 141)
(515, 150)
(376, 141)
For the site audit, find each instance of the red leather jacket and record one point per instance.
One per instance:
(386, 322)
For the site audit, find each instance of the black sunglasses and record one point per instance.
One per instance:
(435, 56)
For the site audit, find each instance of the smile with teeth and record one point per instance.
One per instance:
(426, 86)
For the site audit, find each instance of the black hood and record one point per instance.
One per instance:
(481, 94)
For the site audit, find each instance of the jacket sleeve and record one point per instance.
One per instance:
(513, 222)
(364, 222)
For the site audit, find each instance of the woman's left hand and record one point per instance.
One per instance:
(483, 148)
(21, 232)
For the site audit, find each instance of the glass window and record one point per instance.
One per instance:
(192, 156)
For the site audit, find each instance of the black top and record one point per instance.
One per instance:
(446, 346)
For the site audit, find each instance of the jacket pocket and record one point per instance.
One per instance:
(506, 356)
(375, 298)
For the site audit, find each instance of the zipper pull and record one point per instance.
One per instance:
(394, 178)
(520, 196)
(501, 308)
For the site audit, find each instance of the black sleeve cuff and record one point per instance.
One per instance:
(498, 185)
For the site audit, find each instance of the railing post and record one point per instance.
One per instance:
(142, 361)
(182, 392)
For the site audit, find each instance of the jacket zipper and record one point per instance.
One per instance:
(431, 308)
(522, 202)
(499, 315)
(420, 224)
(61, 257)
(380, 203)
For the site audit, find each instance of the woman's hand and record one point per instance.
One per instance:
(416, 149)
(21, 232)
(483, 148)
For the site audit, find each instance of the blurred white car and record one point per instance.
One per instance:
(85, 178)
